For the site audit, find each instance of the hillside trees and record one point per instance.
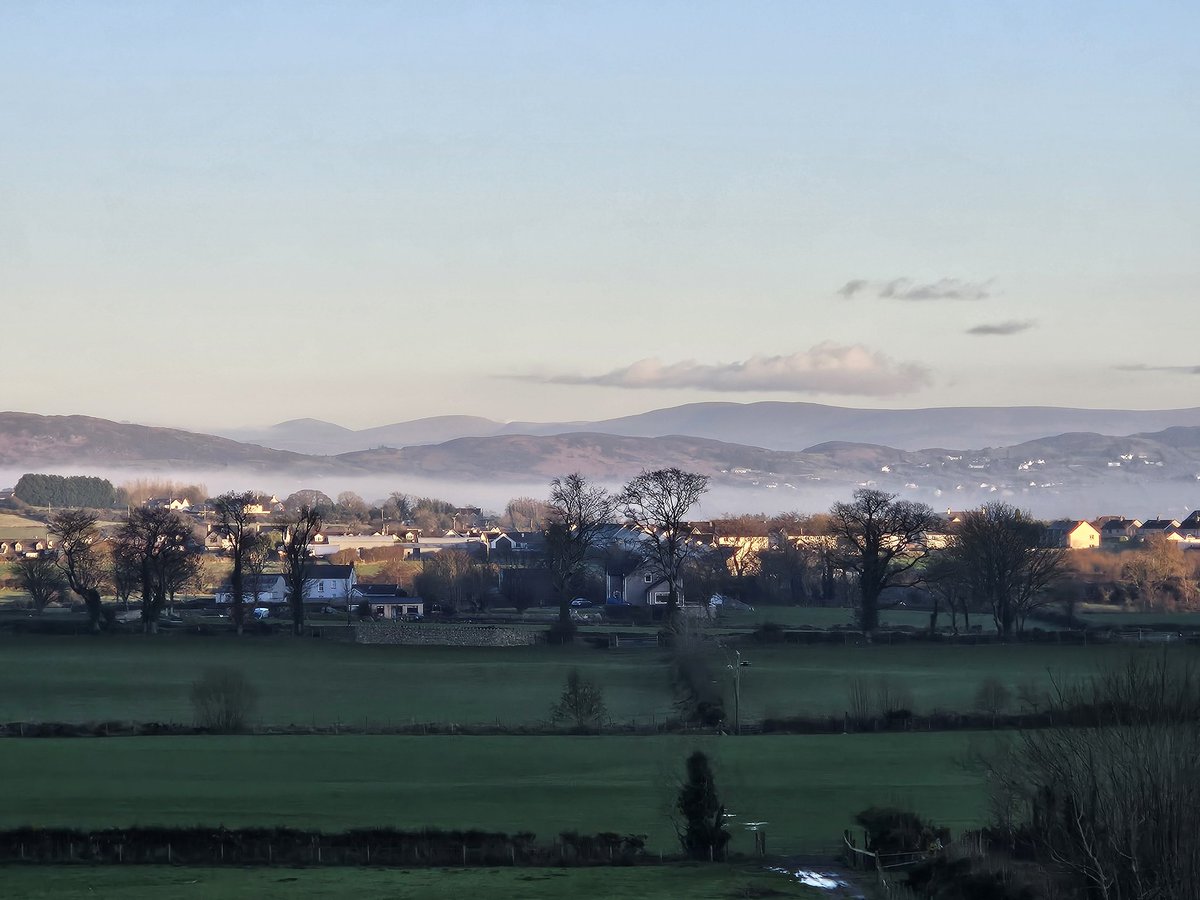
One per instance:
(66, 490)
(301, 530)
(577, 511)
(1002, 557)
(234, 524)
(881, 539)
(78, 559)
(658, 503)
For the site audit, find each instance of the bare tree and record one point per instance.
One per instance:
(578, 511)
(1006, 562)
(40, 578)
(260, 550)
(77, 534)
(882, 540)
(153, 542)
(658, 503)
(234, 523)
(1112, 802)
(528, 513)
(296, 561)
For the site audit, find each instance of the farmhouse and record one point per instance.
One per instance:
(389, 602)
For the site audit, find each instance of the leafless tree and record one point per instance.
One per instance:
(152, 541)
(40, 578)
(77, 534)
(296, 561)
(528, 513)
(1112, 802)
(235, 524)
(578, 510)
(658, 503)
(453, 579)
(881, 540)
(1007, 563)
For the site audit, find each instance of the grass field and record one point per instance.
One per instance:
(807, 787)
(310, 681)
(719, 882)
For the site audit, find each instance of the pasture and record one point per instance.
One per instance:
(807, 787)
(320, 682)
(152, 882)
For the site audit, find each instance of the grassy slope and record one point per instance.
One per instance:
(808, 788)
(650, 883)
(305, 681)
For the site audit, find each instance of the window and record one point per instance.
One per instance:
(649, 578)
(320, 587)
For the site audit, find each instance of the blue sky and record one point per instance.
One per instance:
(231, 214)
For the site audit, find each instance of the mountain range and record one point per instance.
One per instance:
(775, 425)
(1154, 464)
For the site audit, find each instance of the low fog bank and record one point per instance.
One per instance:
(1147, 501)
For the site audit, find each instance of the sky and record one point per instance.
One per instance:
(218, 215)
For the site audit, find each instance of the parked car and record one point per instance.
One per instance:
(580, 603)
(261, 612)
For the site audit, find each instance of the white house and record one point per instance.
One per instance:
(256, 590)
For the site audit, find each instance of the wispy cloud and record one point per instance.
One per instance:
(1174, 370)
(908, 289)
(826, 368)
(1012, 326)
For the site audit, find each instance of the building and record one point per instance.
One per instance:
(1074, 535)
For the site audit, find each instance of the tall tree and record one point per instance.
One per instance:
(302, 528)
(528, 513)
(153, 542)
(881, 539)
(40, 578)
(577, 511)
(1007, 564)
(234, 523)
(658, 503)
(701, 831)
(77, 534)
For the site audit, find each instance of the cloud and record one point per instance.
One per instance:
(826, 368)
(852, 287)
(1174, 370)
(1012, 326)
(907, 289)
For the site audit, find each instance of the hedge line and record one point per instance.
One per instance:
(290, 846)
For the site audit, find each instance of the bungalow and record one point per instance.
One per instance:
(388, 601)
(1074, 535)
(257, 590)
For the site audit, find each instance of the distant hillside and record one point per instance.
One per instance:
(1081, 473)
(775, 425)
(31, 441)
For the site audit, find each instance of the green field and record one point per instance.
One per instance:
(807, 787)
(311, 681)
(719, 882)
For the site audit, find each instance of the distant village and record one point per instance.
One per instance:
(738, 545)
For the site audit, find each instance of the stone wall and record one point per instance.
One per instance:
(446, 635)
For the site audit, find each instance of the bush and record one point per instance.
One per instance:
(222, 700)
(581, 703)
(891, 830)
